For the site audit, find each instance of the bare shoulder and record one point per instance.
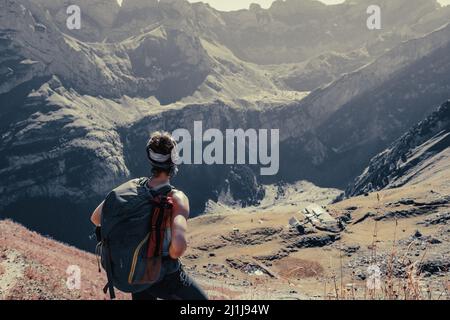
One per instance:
(179, 196)
(181, 201)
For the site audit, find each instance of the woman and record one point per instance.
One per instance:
(161, 151)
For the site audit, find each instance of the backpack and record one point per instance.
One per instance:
(133, 225)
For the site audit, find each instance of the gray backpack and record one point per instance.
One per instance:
(133, 225)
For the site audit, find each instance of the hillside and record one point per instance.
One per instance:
(255, 253)
(403, 231)
(34, 267)
(420, 155)
(256, 35)
(77, 106)
(362, 113)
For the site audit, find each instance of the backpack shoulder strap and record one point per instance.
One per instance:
(109, 284)
(161, 210)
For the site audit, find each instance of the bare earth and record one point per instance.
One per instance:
(249, 254)
(254, 253)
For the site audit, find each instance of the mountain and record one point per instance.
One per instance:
(110, 70)
(421, 154)
(68, 106)
(271, 36)
(360, 114)
(265, 36)
(278, 34)
(77, 106)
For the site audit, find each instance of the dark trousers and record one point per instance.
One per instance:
(174, 286)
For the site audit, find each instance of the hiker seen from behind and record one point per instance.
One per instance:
(141, 232)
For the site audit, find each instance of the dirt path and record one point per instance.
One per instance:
(13, 269)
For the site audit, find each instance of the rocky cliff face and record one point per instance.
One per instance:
(290, 24)
(141, 67)
(376, 117)
(75, 114)
(422, 152)
(257, 34)
(267, 36)
(360, 114)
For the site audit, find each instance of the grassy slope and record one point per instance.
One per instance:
(34, 267)
(316, 272)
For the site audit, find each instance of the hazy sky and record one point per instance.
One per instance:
(227, 5)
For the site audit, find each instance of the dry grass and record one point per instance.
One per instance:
(303, 274)
(413, 286)
(46, 264)
(38, 285)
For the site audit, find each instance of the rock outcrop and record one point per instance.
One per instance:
(421, 152)
(77, 107)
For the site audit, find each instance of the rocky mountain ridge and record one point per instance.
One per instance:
(422, 152)
(75, 114)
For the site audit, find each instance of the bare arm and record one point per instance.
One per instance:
(96, 216)
(180, 215)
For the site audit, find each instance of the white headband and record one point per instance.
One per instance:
(158, 157)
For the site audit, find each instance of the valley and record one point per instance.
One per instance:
(257, 254)
(359, 179)
(254, 253)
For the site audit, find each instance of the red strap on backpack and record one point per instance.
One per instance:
(161, 219)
